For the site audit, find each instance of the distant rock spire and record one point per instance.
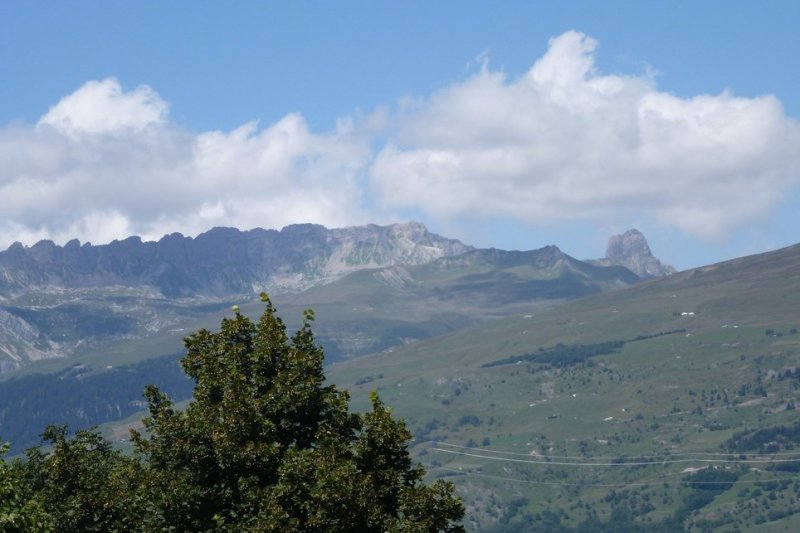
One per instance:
(632, 251)
(631, 243)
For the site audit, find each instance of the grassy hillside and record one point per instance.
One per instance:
(368, 311)
(694, 428)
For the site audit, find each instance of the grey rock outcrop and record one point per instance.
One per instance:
(632, 251)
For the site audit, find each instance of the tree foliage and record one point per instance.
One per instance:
(82, 483)
(265, 445)
(17, 513)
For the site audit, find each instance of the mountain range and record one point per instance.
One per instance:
(57, 301)
(223, 261)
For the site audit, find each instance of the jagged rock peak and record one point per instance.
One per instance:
(631, 251)
(630, 243)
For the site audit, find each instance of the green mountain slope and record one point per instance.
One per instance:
(368, 311)
(688, 421)
(374, 310)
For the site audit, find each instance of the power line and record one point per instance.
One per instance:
(610, 485)
(621, 462)
(611, 458)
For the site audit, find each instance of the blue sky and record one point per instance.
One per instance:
(507, 124)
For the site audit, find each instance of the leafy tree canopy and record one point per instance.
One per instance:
(16, 513)
(264, 445)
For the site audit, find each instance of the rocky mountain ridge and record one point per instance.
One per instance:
(223, 261)
(57, 301)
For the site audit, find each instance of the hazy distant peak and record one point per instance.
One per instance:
(630, 243)
(632, 251)
(410, 227)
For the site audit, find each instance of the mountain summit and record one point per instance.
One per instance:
(632, 243)
(632, 251)
(223, 261)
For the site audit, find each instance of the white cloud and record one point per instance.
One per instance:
(561, 142)
(103, 107)
(566, 142)
(105, 163)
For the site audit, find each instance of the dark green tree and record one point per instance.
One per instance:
(82, 483)
(265, 445)
(17, 513)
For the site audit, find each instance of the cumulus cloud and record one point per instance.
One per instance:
(565, 142)
(105, 163)
(561, 142)
(103, 107)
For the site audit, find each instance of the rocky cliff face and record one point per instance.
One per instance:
(58, 300)
(632, 251)
(223, 261)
